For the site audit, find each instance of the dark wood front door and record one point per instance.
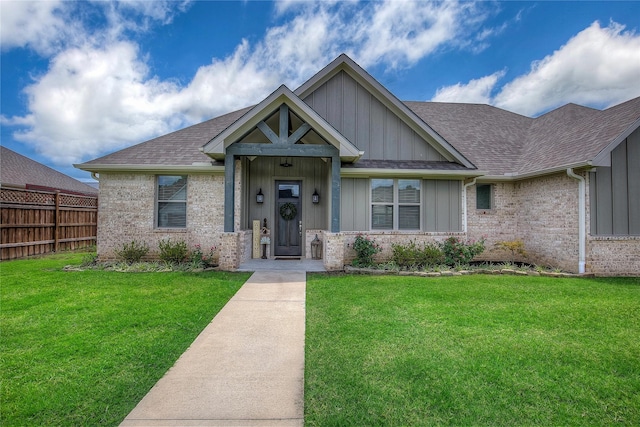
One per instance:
(288, 219)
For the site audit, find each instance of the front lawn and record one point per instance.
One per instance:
(82, 348)
(472, 350)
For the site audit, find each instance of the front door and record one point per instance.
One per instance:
(288, 219)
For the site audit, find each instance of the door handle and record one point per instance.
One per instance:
(300, 228)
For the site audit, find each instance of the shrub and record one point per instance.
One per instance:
(89, 260)
(365, 250)
(457, 252)
(413, 256)
(516, 247)
(173, 252)
(132, 252)
(199, 259)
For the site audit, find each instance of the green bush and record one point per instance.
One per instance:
(200, 259)
(132, 252)
(365, 250)
(456, 252)
(414, 256)
(173, 252)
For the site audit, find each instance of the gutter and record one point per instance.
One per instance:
(423, 173)
(515, 176)
(196, 167)
(464, 203)
(581, 220)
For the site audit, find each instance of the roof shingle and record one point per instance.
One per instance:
(18, 170)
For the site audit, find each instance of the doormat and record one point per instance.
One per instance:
(288, 259)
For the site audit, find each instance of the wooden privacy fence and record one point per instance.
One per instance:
(39, 222)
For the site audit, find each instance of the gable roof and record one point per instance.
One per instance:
(502, 144)
(347, 65)
(283, 95)
(175, 150)
(17, 170)
(509, 145)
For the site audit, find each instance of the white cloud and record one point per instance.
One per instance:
(404, 32)
(477, 91)
(92, 99)
(41, 26)
(99, 94)
(599, 66)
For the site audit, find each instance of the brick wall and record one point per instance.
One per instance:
(129, 200)
(548, 220)
(542, 212)
(494, 225)
(333, 251)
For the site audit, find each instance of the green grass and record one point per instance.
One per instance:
(82, 348)
(472, 350)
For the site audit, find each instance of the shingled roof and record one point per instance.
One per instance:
(179, 148)
(17, 170)
(505, 143)
(495, 140)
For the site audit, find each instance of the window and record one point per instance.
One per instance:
(172, 202)
(395, 204)
(483, 196)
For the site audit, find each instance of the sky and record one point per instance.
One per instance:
(83, 79)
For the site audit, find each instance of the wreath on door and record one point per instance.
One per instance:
(288, 211)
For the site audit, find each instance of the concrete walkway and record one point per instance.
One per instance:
(246, 368)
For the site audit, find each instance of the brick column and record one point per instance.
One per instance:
(333, 251)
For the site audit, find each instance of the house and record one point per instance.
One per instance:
(342, 156)
(18, 171)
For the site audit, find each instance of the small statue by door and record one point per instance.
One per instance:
(265, 239)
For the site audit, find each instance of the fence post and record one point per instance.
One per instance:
(56, 229)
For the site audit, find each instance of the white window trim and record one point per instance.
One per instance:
(157, 202)
(395, 205)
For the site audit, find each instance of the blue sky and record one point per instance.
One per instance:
(83, 79)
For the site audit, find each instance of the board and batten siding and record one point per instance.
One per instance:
(367, 122)
(615, 191)
(441, 205)
(263, 172)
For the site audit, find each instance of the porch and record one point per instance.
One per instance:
(286, 264)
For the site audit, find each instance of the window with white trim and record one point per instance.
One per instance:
(395, 204)
(171, 201)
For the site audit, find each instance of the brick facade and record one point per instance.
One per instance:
(543, 212)
(126, 212)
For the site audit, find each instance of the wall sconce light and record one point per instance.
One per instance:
(285, 163)
(315, 198)
(260, 197)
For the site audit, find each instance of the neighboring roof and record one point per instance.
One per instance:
(17, 170)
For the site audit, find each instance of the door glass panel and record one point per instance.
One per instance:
(288, 191)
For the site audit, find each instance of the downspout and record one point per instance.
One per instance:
(581, 220)
(95, 176)
(464, 203)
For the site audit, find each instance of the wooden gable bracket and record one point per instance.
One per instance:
(284, 138)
